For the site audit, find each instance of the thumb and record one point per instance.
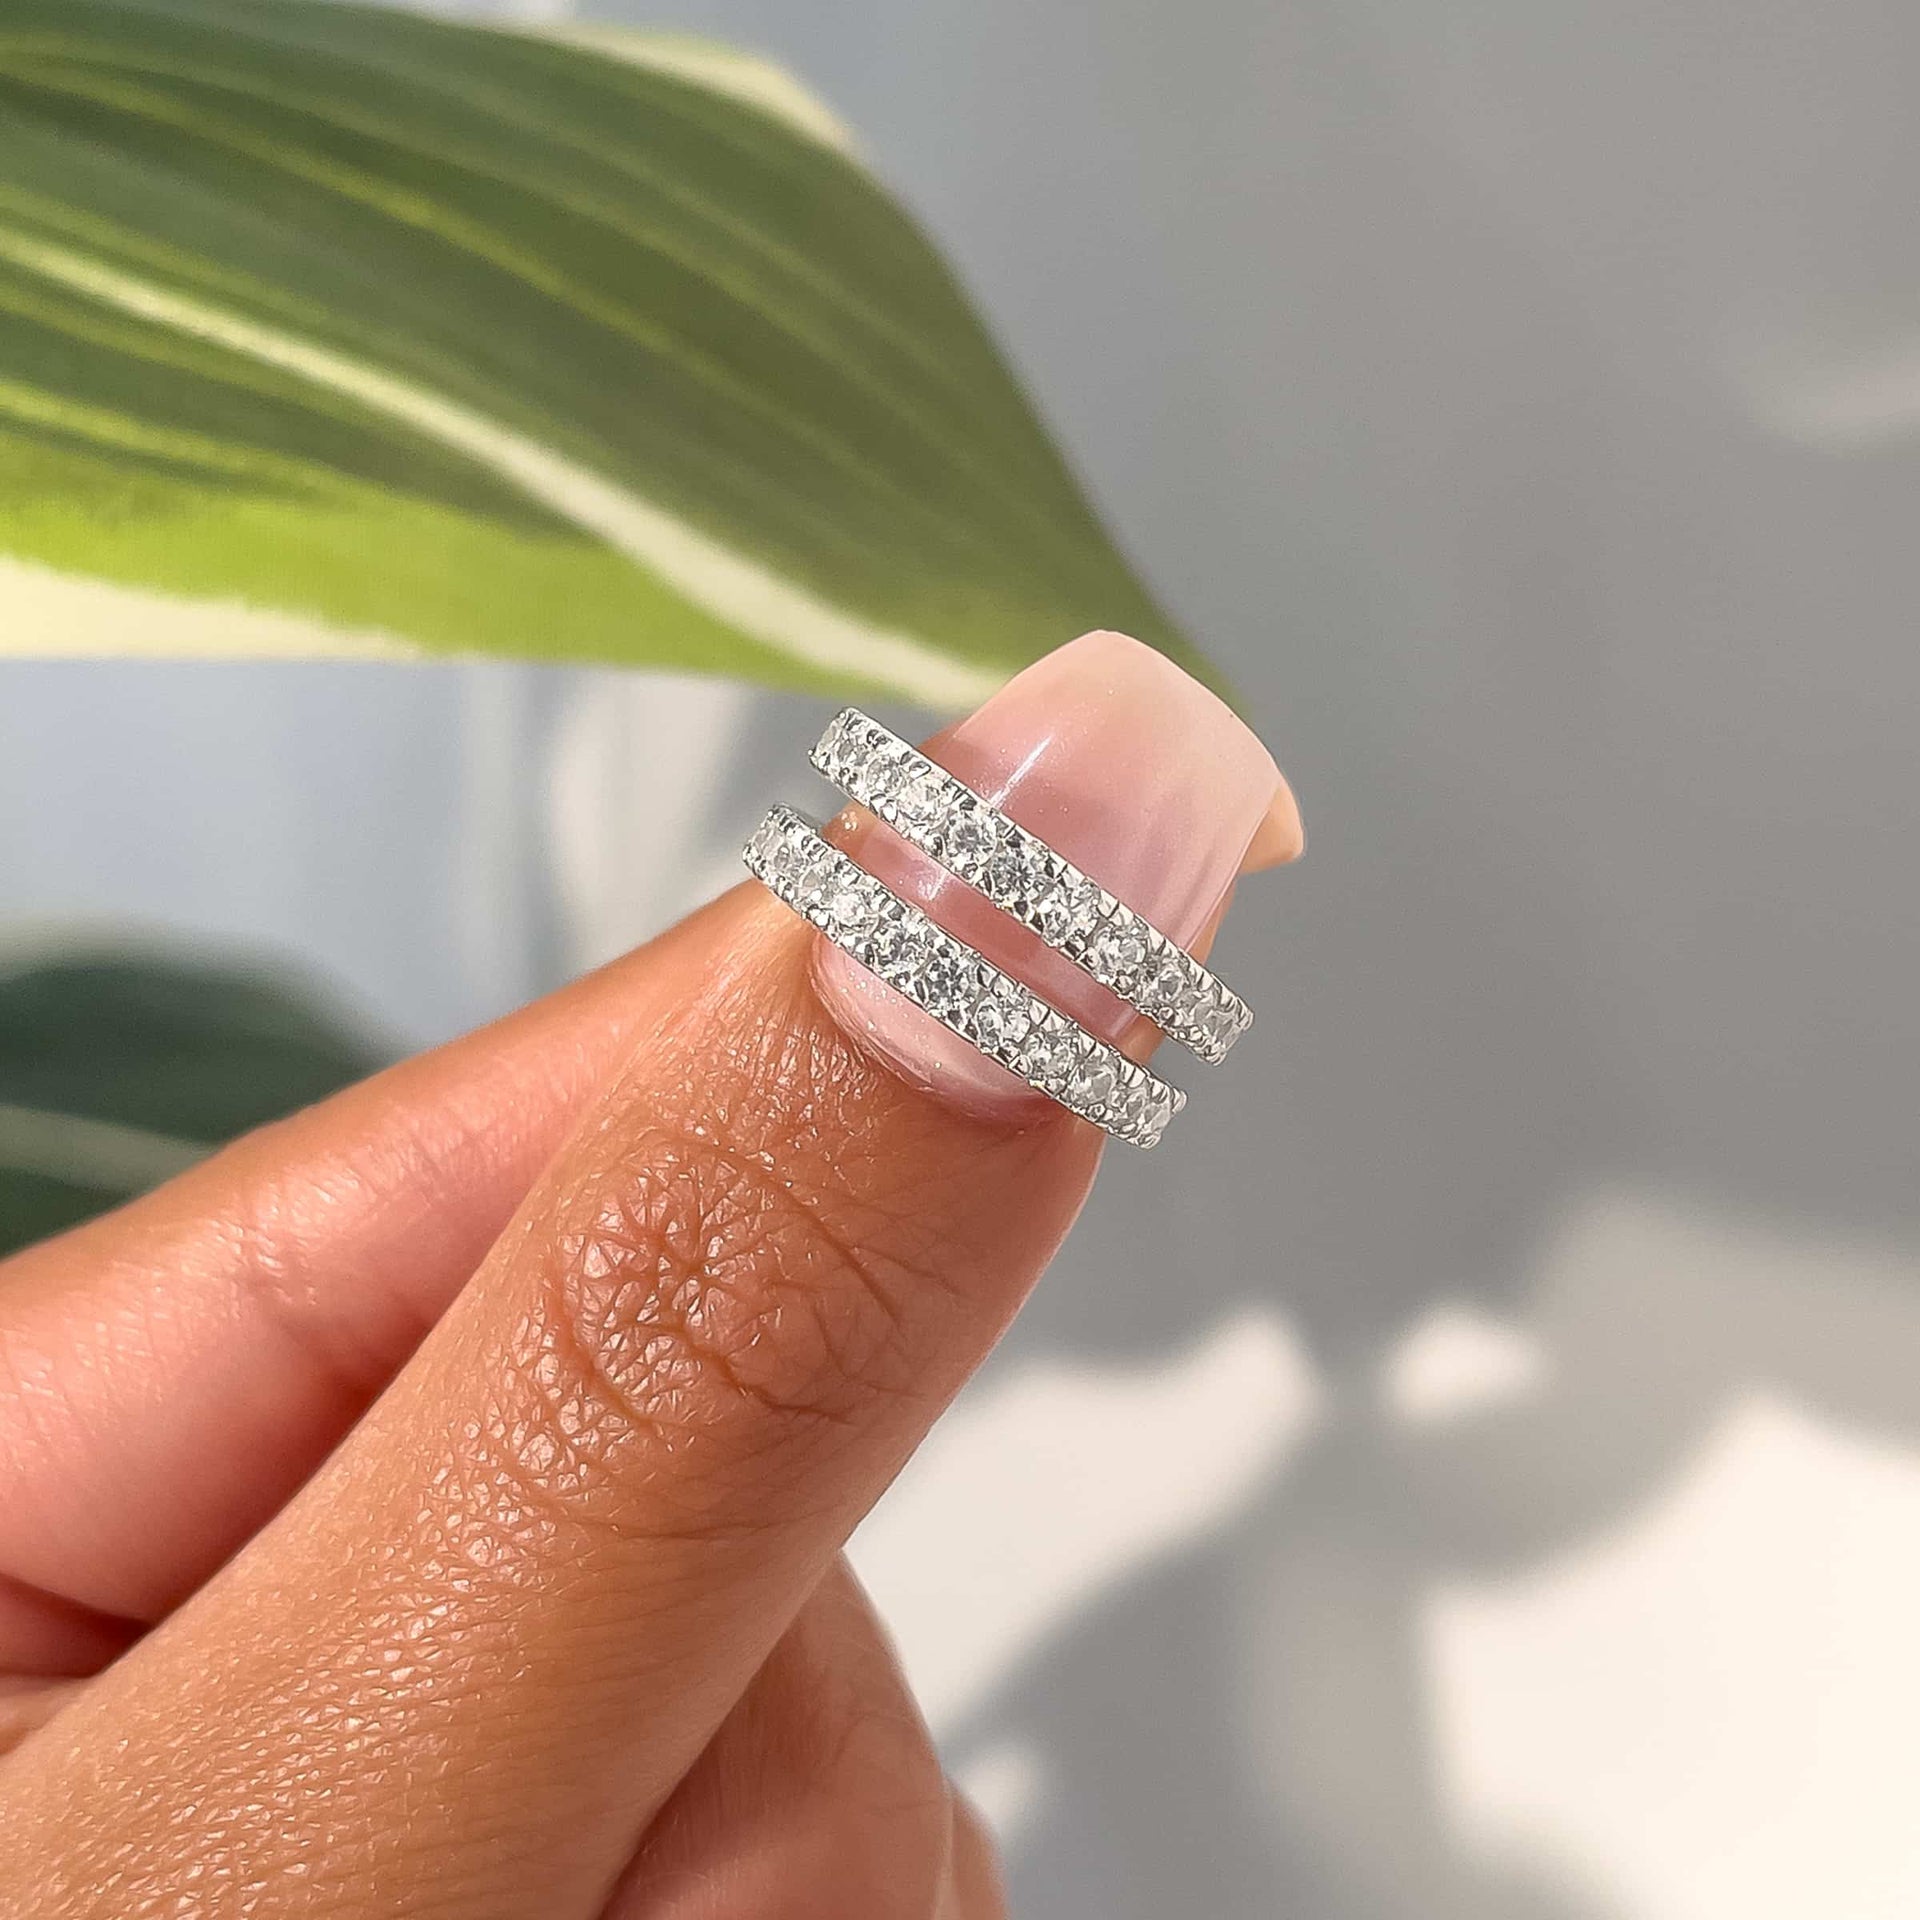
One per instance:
(475, 1655)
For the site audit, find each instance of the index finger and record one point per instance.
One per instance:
(552, 1556)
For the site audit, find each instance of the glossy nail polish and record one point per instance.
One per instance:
(1134, 771)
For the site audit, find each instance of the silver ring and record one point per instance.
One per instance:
(965, 992)
(1023, 876)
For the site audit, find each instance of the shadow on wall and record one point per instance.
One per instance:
(1494, 463)
(1592, 1008)
(1521, 1598)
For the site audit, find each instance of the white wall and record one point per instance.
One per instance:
(1496, 1465)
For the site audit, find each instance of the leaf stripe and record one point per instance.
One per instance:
(488, 338)
(96, 619)
(179, 353)
(989, 481)
(825, 534)
(37, 407)
(976, 548)
(510, 112)
(101, 1154)
(775, 611)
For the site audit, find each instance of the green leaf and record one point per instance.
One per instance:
(116, 1073)
(332, 328)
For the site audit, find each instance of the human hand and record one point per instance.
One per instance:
(433, 1503)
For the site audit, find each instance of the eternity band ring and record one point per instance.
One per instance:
(961, 989)
(1023, 876)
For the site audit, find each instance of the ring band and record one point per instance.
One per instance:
(965, 992)
(1025, 878)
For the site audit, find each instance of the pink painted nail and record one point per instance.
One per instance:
(1135, 772)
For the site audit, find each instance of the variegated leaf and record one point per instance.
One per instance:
(330, 328)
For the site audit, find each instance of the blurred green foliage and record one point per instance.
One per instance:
(118, 1072)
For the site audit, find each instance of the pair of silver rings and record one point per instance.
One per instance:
(1024, 877)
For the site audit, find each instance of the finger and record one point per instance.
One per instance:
(974, 1889)
(552, 1556)
(820, 1797)
(170, 1373)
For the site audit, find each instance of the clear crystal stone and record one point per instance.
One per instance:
(1176, 1001)
(886, 773)
(1003, 1017)
(835, 753)
(896, 941)
(990, 1023)
(1135, 1103)
(1036, 1051)
(1007, 872)
(1052, 914)
(979, 993)
(1165, 985)
(1195, 1001)
(1120, 950)
(945, 983)
(1086, 907)
(815, 873)
(849, 907)
(968, 838)
(1215, 1024)
(921, 800)
(1055, 1053)
(1093, 1081)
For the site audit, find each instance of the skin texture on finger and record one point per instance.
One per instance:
(462, 1670)
(27, 1705)
(468, 1664)
(820, 1798)
(170, 1373)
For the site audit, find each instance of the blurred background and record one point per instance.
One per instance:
(1474, 1469)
